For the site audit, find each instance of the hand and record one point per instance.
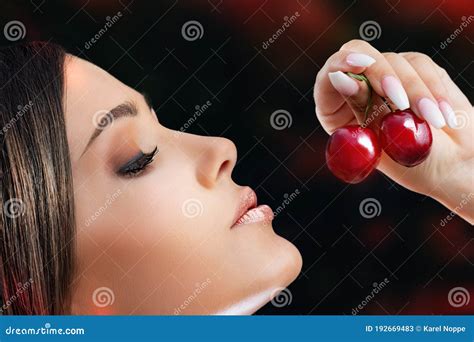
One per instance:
(413, 80)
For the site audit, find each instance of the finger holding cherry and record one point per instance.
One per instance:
(400, 113)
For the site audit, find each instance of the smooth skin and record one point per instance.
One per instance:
(448, 173)
(161, 242)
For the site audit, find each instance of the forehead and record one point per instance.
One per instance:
(89, 91)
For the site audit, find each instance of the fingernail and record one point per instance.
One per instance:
(431, 112)
(359, 60)
(395, 92)
(449, 114)
(343, 83)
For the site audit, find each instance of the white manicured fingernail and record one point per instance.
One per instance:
(449, 114)
(359, 60)
(431, 112)
(343, 83)
(395, 92)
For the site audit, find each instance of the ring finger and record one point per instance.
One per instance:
(422, 100)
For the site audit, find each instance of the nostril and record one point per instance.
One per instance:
(225, 166)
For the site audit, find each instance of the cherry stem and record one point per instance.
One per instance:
(362, 77)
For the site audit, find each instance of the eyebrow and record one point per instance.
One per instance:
(126, 109)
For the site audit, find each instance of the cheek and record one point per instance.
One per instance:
(162, 207)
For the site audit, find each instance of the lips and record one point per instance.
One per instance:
(248, 212)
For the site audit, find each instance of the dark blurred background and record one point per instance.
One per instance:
(225, 57)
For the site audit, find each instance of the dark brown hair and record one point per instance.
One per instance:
(37, 207)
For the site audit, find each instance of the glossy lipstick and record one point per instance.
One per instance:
(248, 212)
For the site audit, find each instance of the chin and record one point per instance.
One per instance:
(285, 267)
(282, 257)
(291, 261)
(285, 262)
(275, 262)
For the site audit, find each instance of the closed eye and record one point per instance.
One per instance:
(137, 164)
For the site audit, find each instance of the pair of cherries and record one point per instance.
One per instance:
(354, 151)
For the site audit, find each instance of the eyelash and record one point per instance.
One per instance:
(138, 164)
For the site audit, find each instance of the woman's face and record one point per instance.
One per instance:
(156, 232)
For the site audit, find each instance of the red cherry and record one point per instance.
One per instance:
(352, 153)
(405, 137)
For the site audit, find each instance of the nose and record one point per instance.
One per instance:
(216, 160)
